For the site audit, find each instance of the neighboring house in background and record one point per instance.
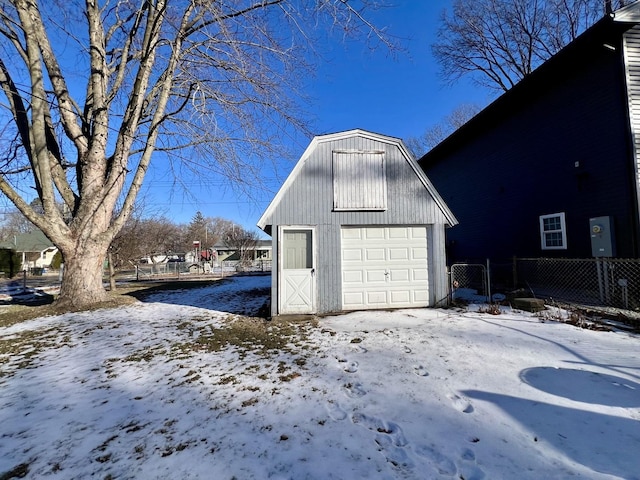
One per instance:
(263, 251)
(162, 258)
(35, 248)
(551, 168)
(356, 225)
(260, 252)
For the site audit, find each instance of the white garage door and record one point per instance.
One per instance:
(384, 267)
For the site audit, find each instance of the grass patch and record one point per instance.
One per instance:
(20, 350)
(250, 334)
(145, 354)
(19, 471)
(201, 333)
(126, 294)
(12, 314)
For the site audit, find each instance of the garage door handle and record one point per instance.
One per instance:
(313, 272)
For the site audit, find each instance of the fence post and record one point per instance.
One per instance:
(599, 273)
(488, 281)
(607, 288)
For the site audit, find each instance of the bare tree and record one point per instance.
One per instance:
(243, 241)
(14, 223)
(206, 230)
(499, 42)
(441, 130)
(146, 237)
(96, 90)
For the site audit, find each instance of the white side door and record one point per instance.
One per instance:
(297, 270)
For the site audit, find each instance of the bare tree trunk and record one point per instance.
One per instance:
(155, 68)
(83, 270)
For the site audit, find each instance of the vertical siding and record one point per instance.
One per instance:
(309, 201)
(359, 180)
(438, 287)
(632, 64)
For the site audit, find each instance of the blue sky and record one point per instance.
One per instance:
(355, 88)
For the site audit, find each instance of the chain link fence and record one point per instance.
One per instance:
(594, 282)
(218, 269)
(469, 281)
(598, 282)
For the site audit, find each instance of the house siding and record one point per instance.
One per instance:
(517, 159)
(632, 63)
(309, 201)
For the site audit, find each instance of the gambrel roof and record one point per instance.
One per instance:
(265, 219)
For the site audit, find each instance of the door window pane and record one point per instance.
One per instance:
(296, 250)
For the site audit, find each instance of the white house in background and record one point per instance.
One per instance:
(356, 225)
(261, 252)
(36, 250)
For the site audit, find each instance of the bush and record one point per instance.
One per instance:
(9, 262)
(56, 261)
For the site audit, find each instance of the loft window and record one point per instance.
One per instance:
(553, 232)
(359, 180)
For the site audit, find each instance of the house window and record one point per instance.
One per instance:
(553, 232)
(359, 180)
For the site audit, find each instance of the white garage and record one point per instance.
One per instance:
(357, 225)
(384, 267)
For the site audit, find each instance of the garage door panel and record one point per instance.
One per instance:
(398, 254)
(373, 233)
(421, 296)
(377, 298)
(399, 275)
(419, 253)
(375, 276)
(418, 232)
(353, 300)
(419, 275)
(374, 254)
(352, 255)
(389, 270)
(399, 233)
(352, 234)
(354, 276)
(402, 296)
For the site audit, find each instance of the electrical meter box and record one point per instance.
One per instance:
(602, 238)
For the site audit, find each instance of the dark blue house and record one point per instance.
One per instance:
(551, 168)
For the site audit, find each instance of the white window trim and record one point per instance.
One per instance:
(562, 230)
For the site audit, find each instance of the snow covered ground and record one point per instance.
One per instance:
(151, 391)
